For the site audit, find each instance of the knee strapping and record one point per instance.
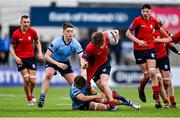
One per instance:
(95, 106)
(25, 76)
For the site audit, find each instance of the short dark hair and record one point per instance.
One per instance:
(67, 24)
(146, 6)
(79, 81)
(97, 38)
(24, 16)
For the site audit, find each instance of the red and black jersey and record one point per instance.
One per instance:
(24, 42)
(96, 56)
(176, 37)
(144, 30)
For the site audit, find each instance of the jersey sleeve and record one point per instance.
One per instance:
(75, 92)
(35, 36)
(176, 37)
(134, 24)
(53, 46)
(14, 39)
(87, 52)
(78, 47)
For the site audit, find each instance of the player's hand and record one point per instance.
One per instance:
(18, 61)
(40, 57)
(62, 66)
(142, 43)
(85, 65)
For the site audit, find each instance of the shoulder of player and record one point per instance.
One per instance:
(31, 29)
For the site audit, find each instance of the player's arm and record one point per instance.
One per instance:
(39, 48)
(84, 64)
(164, 40)
(130, 35)
(12, 51)
(163, 32)
(86, 98)
(51, 60)
(172, 48)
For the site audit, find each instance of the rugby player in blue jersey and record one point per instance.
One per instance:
(57, 59)
(82, 99)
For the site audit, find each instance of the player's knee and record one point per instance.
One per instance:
(167, 82)
(49, 76)
(146, 75)
(152, 72)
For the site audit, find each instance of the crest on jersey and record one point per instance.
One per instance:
(151, 26)
(29, 38)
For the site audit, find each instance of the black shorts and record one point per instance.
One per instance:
(61, 71)
(163, 64)
(85, 106)
(104, 69)
(29, 63)
(142, 55)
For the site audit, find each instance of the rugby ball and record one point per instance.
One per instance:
(112, 38)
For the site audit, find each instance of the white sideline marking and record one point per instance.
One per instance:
(7, 95)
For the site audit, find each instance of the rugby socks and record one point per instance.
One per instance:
(118, 97)
(111, 103)
(166, 102)
(29, 98)
(155, 92)
(172, 99)
(42, 96)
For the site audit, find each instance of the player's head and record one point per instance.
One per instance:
(146, 11)
(97, 38)
(79, 81)
(68, 30)
(25, 21)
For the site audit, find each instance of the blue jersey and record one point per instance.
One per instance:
(74, 91)
(61, 51)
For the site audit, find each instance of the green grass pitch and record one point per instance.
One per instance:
(58, 104)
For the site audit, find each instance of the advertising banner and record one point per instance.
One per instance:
(83, 16)
(169, 16)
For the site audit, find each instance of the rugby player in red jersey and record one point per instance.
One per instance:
(22, 50)
(143, 28)
(98, 68)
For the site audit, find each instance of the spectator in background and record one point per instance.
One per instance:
(4, 50)
(22, 50)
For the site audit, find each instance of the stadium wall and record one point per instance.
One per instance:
(121, 76)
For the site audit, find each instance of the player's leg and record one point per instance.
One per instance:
(98, 106)
(27, 87)
(122, 100)
(169, 87)
(49, 72)
(69, 78)
(143, 82)
(32, 77)
(162, 90)
(102, 84)
(151, 63)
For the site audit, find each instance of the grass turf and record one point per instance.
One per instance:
(58, 104)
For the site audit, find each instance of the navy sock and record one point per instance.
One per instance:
(42, 96)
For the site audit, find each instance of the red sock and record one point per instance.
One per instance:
(155, 92)
(143, 83)
(111, 103)
(29, 98)
(172, 99)
(166, 101)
